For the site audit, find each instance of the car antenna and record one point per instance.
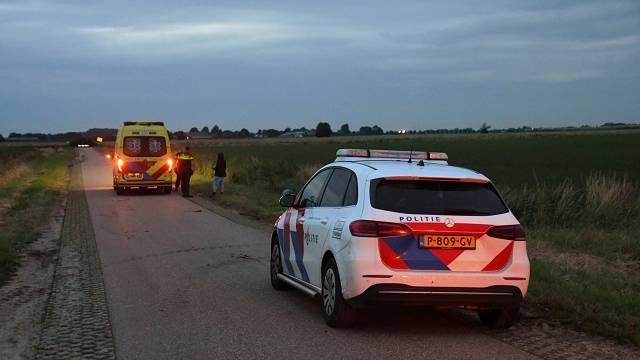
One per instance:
(410, 153)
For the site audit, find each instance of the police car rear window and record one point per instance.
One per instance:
(436, 197)
(144, 146)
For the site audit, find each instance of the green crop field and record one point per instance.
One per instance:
(577, 195)
(32, 179)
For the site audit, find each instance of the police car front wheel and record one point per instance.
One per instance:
(335, 310)
(276, 266)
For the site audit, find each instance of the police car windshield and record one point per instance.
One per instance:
(144, 146)
(436, 197)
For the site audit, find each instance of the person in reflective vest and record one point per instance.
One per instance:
(177, 170)
(185, 168)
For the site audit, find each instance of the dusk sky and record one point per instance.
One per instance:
(74, 65)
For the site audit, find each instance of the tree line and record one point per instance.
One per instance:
(322, 129)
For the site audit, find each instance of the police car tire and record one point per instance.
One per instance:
(275, 266)
(166, 189)
(341, 314)
(500, 318)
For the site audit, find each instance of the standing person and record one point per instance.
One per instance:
(177, 170)
(219, 173)
(186, 167)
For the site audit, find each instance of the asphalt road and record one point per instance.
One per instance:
(183, 282)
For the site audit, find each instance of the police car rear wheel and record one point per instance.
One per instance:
(499, 318)
(335, 310)
(276, 267)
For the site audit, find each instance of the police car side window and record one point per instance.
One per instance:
(351, 196)
(336, 188)
(312, 193)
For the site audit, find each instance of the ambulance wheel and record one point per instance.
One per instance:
(120, 190)
(276, 266)
(166, 190)
(335, 310)
(500, 318)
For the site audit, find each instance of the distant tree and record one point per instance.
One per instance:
(205, 129)
(1, 138)
(270, 132)
(179, 135)
(484, 128)
(287, 130)
(377, 130)
(215, 131)
(323, 129)
(344, 130)
(193, 130)
(365, 130)
(244, 133)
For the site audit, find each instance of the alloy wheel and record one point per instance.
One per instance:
(329, 291)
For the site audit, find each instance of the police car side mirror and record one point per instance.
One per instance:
(287, 200)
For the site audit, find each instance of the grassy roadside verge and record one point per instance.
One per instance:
(580, 206)
(33, 179)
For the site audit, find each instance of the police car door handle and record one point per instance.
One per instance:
(324, 221)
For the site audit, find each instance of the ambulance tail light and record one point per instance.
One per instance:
(170, 164)
(120, 164)
(367, 228)
(507, 232)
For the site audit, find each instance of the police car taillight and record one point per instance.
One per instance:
(367, 228)
(507, 232)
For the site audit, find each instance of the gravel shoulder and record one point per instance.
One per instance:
(23, 299)
(76, 321)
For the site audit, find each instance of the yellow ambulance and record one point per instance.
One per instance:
(142, 157)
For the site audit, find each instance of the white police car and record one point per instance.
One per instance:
(399, 227)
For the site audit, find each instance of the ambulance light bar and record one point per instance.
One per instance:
(143, 123)
(392, 154)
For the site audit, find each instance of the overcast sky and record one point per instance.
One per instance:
(73, 65)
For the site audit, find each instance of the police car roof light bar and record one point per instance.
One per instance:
(392, 154)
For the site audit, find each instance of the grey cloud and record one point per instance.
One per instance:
(297, 61)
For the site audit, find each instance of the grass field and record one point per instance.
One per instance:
(32, 180)
(577, 195)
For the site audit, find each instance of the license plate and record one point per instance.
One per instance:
(134, 176)
(442, 241)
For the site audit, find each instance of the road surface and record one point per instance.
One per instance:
(184, 282)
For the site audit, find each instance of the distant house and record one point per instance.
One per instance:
(293, 134)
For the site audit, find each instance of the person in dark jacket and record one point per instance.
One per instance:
(219, 173)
